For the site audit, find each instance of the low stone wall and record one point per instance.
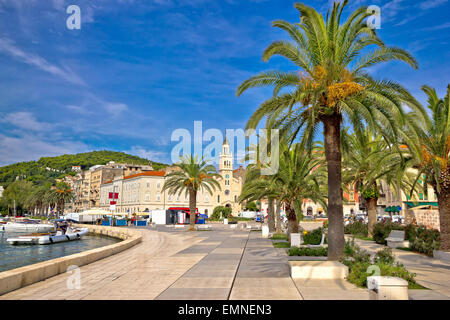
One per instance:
(427, 218)
(20, 277)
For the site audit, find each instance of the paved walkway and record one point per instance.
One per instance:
(172, 264)
(431, 273)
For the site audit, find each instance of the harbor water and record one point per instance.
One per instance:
(22, 255)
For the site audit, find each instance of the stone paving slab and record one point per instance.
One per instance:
(223, 264)
(262, 274)
(334, 289)
(194, 293)
(264, 288)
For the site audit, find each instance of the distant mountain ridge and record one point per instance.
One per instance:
(50, 168)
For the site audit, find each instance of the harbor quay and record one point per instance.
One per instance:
(170, 263)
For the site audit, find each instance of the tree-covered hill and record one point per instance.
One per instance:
(49, 168)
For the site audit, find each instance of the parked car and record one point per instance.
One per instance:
(308, 218)
(259, 217)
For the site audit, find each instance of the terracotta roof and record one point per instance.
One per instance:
(108, 182)
(148, 174)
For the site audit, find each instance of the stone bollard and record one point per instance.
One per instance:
(225, 221)
(387, 288)
(265, 231)
(296, 240)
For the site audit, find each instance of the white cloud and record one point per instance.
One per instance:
(115, 109)
(24, 120)
(425, 5)
(8, 47)
(30, 147)
(438, 27)
(157, 156)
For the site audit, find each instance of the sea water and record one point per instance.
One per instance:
(15, 256)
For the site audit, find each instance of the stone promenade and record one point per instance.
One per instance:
(172, 263)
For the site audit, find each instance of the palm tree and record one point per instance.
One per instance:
(332, 86)
(298, 178)
(429, 142)
(256, 187)
(194, 175)
(36, 199)
(60, 195)
(368, 160)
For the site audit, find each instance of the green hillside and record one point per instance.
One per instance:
(36, 171)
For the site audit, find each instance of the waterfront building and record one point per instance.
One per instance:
(392, 201)
(143, 191)
(86, 184)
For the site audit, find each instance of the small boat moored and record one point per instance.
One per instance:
(26, 226)
(66, 233)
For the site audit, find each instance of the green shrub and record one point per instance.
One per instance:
(221, 212)
(313, 237)
(325, 224)
(384, 256)
(358, 261)
(358, 273)
(357, 228)
(381, 230)
(423, 240)
(309, 252)
(251, 206)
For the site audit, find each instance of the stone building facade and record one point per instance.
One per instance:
(143, 191)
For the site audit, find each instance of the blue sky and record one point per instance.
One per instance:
(137, 70)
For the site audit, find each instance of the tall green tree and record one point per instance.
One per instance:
(332, 86)
(16, 194)
(368, 160)
(61, 194)
(429, 142)
(299, 177)
(193, 176)
(257, 187)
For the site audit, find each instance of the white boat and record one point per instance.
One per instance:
(49, 238)
(26, 226)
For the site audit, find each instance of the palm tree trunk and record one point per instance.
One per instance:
(332, 133)
(192, 206)
(271, 212)
(372, 214)
(444, 218)
(278, 218)
(292, 220)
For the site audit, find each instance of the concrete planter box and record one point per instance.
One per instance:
(443, 255)
(387, 288)
(201, 227)
(265, 232)
(318, 270)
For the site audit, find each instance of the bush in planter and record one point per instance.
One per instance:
(381, 230)
(358, 261)
(384, 256)
(313, 237)
(423, 240)
(357, 228)
(309, 252)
